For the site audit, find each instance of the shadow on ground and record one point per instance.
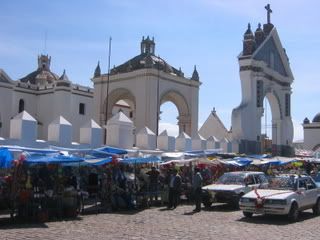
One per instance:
(275, 220)
(221, 207)
(8, 223)
(17, 223)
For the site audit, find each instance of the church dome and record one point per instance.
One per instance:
(316, 118)
(146, 59)
(42, 75)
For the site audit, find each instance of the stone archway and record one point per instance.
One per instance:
(184, 118)
(113, 97)
(264, 73)
(275, 106)
(146, 81)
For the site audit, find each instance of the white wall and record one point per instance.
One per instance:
(311, 136)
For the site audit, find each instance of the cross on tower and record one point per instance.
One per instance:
(269, 11)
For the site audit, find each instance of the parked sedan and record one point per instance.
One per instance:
(231, 186)
(286, 195)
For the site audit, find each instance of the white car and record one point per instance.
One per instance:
(231, 186)
(286, 195)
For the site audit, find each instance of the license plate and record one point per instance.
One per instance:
(259, 211)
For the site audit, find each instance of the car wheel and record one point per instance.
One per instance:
(207, 203)
(206, 199)
(316, 208)
(248, 214)
(294, 213)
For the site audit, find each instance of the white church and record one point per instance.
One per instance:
(122, 109)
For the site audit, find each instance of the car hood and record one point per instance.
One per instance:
(269, 193)
(222, 187)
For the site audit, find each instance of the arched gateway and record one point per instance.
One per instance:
(144, 83)
(265, 73)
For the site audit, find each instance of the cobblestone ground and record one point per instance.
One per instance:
(220, 222)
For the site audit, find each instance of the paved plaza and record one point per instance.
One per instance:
(220, 222)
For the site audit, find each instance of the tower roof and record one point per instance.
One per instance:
(306, 121)
(248, 33)
(43, 74)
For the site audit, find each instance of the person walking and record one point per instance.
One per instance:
(174, 189)
(153, 183)
(196, 185)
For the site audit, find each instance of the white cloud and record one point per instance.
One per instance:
(172, 129)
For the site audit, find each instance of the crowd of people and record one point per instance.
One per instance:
(120, 186)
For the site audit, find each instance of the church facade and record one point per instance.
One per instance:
(264, 73)
(145, 82)
(45, 96)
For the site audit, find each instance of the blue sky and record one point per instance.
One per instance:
(207, 33)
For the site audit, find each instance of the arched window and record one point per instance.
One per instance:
(21, 105)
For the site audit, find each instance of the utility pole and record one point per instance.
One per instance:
(108, 80)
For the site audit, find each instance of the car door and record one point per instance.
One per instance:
(302, 193)
(311, 192)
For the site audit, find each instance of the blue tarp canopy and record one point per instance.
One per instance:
(261, 156)
(196, 153)
(31, 150)
(5, 158)
(239, 162)
(52, 159)
(96, 162)
(151, 159)
(202, 153)
(112, 150)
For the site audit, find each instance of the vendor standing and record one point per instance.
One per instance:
(153, 183)
(174, 189)
(196, 185)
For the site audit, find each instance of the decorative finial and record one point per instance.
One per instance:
(269, 11)
(195, 74)
(97, 71)
(259, 26)
(213, 110)
(64, 76)
(249, 26)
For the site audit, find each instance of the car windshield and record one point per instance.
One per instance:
(282, 182)
(231, 178)
(317, 178)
